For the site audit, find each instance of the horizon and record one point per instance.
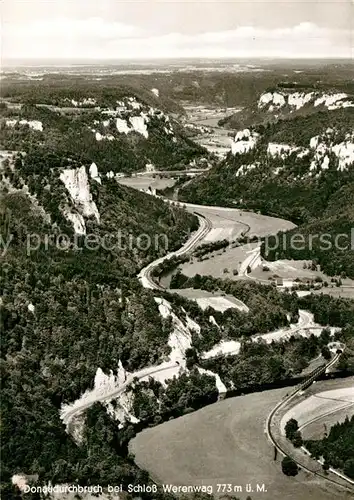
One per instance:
(38, 62)
(166, 29)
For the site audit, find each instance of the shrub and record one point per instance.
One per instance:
(291, 427)
(289, 467)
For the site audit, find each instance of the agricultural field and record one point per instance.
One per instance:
(228, 224)
(218, 302)
(318, 428)
(214, 138)
(293, 269)
(226, 218)
(343, 292)
(225, 443)
(288, 269)
(219, 264)
(144, 182)
(318, 412)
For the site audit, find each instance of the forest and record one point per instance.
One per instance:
(261, 366)
(75, 134)
(65, 311)
(336, 448)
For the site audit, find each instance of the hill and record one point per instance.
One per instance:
(76, 323)
(122, 129)
(70, 304)
(282, 169)
(73, 315)
(291, 100)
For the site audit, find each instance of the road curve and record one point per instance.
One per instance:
(326, 414)
(67, 414)
(145, 274)
(283, 402)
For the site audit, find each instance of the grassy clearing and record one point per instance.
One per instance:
(224, 443)
(144, 182)
(260, 225)
(318, 428)
(229, 224)
(292, 269)
(213, 299)
(345, 293)
(218, 262)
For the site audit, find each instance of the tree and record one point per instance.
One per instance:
(191, 358)
(297, 439)
(291, 427)
(349, 468)
(325, 466)
(289, 467)
(326, 353)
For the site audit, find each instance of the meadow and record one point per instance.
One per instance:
(224, 443)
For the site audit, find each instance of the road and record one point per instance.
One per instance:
(171, 172)
(145, 274)
(345, 406)
(68, 413)
(283, 403)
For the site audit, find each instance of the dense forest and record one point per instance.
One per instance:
(269, 309)
(93, 134)
(189, 392)
(336, 448)
(68, 307)
(66, 311)
(260, 365)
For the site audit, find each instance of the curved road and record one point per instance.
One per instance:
(145, 274)
(284, 402)
(68, 413)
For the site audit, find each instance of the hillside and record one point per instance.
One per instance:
(214, 82)
(70, 304)
(288, 101)
(327, 240)
(300, 169)
(89, 357)
(123, 130)
(76, 322)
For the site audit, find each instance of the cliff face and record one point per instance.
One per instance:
(281, 104)
(77, 183)
(293, 101)
(121, 136)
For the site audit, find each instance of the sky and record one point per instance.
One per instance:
(146, 29)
